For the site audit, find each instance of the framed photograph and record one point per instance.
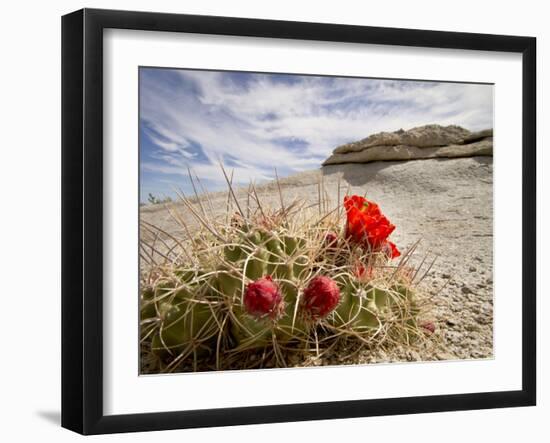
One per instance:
(269, 221)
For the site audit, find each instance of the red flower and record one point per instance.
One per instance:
(391, 249)
(263, 298)
(367, 226)
(320, 297)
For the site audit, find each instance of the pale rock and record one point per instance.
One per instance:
(423, 142)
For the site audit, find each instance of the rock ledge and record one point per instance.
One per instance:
(429, 141)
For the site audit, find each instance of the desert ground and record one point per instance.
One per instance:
(446, 203)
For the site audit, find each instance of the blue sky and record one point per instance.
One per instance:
(255, 122)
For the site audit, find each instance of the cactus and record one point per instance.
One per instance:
(147, 304)
(272, 282)
(227, 282)
(409, 300)
(291, 326)
(185, 321)
(357, 310)
(248, 331)
(184, 325)
(365, 306)
(268, 312)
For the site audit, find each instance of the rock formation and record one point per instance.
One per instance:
(429, 141)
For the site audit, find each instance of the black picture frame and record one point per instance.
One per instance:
(82, 218)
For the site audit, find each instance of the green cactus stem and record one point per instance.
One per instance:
(250, 332)
(184, 321)
(357, 310)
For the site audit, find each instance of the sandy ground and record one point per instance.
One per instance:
(448, 205)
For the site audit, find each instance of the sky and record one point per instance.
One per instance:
(255, 122)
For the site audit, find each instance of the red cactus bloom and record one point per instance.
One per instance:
(320, 297)
(367, 226)
(391, 250)
(262, 298)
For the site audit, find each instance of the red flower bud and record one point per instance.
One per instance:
(331, 240)
(320, 297)
(367, 226)
(429, 327)
(263, 298)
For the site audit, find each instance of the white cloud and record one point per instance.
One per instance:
(255, 118)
